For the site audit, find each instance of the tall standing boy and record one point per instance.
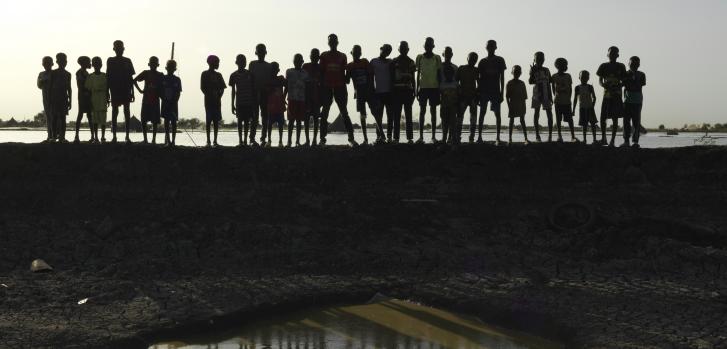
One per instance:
(313, 95)
(382, 69)
(467, 76)
(404, 91)
(429, 72)
(44, 86)
(634, 83)
(297, 82)
(360, 73)
(262, 73)
(151, 101)
(243, 99)
(563, 87)
(97, 85)
(540, 78)
(120, 72)
(61, 97)
(610, 76)
(84, 96)
(449, 88)
(333, 67)
(171, 92)
(213, 87)
(492, 87)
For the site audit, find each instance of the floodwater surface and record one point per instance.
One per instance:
(387, 324)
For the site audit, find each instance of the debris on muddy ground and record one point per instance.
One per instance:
(40, 266)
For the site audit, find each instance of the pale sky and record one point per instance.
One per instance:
(681, 43)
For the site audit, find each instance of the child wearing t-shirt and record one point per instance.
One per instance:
(563, 87)
(297, 81)
(634, 81)
(243, 98)
(542, 94)
(276, 104)
(44, 86)
(151, 104)
(98, 86)
(586, 96)
(517, 94)
(449, 87)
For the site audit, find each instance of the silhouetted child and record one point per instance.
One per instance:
(563, 87)
(634, 82)
(97, 85)
(213, 87)
(44, 85)
(382, 70)
(262, 73)
(151, 103)
(359, 71)
(517, 95)
(429, 71)
(404, 92)
(313, 94)
(171, 92)
(611, 75)
(450, 98)
(333, 88)
(120, 72)
(467, 76)
(61, 96)
(492, 87)
(84, 96)
(276, 105)
(542, 94)
(243, 98)
(295, 88)
(586, 96)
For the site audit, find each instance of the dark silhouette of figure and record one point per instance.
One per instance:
(492, 87)
(120, 72)
(611, 75)
(449, 97)
(517, 95)
(333, 68)
(540, 78)
(586, 96)
(98, 86)
(429, 72)
(297, 81)
(171, 92)
(313, 94)
(360, 72)
(213, 87)
(44, 82)
(563, 87)
(382, 69)
(61, 97)
(243, 99)
(262, 73)
(467, 76)
(84, 96)
(276, 105)
(151, 101)
(634, 82)
(404, 91)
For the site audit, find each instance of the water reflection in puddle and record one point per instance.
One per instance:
(388, 324)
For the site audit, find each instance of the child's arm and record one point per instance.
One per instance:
(643, 83)
(70, 92)
(179, 92)
(575, 99)
(285, 88)
(41, 81)
(593, 94)
(233, 93)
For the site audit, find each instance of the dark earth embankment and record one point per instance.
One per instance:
(159, 239)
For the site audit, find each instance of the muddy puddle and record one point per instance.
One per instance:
(385, 324)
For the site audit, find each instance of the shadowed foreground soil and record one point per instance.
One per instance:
(161, 239)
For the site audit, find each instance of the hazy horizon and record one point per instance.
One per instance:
(677, 42)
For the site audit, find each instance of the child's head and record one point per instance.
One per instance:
(84, 62)
(429, 45)
(561, 64)
(613, 53)
(585, 76)
(386, 50)
(119, 48)
(635, 63)
(404, 48)
(275, 68)
(472, 59)
(448, 54)
(333, 41)
(48, 62)
(517, 71)
(356, 52)
(171, 66)
(261, 51)
(491, 47)
(241, 61)
(539, 59)
(62, 60)
(153, 63)
(97, 63)
(315, 55)
(213, 62)
(298, 61)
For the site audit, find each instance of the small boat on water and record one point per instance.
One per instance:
(672, 133)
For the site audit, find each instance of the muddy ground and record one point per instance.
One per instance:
(165, 239)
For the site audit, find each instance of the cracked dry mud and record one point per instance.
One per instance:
(162, 240)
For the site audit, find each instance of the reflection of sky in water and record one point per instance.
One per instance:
(226, 138)
(390, 324)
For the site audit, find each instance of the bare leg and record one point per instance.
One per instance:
(291, 125)
(434, 123)
(207, 128)
(144, 126)
(525, 129)
(153, 133)
(174, 132)
(536, 123)
(512, 125)
(559, 120)
(115, 117)
(297, 132)
(216, 127)
(481, 123)
(79, 119)
(498, 122)
(549, 114)
(127, 120)
(239, 131)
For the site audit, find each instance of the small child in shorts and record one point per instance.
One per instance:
(586, 96)
(563, 87)
(517, 95)
(276, 104)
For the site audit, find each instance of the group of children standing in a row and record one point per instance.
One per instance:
(386, 86)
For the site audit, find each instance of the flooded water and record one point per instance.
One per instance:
(229, 138)
(388, 324)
